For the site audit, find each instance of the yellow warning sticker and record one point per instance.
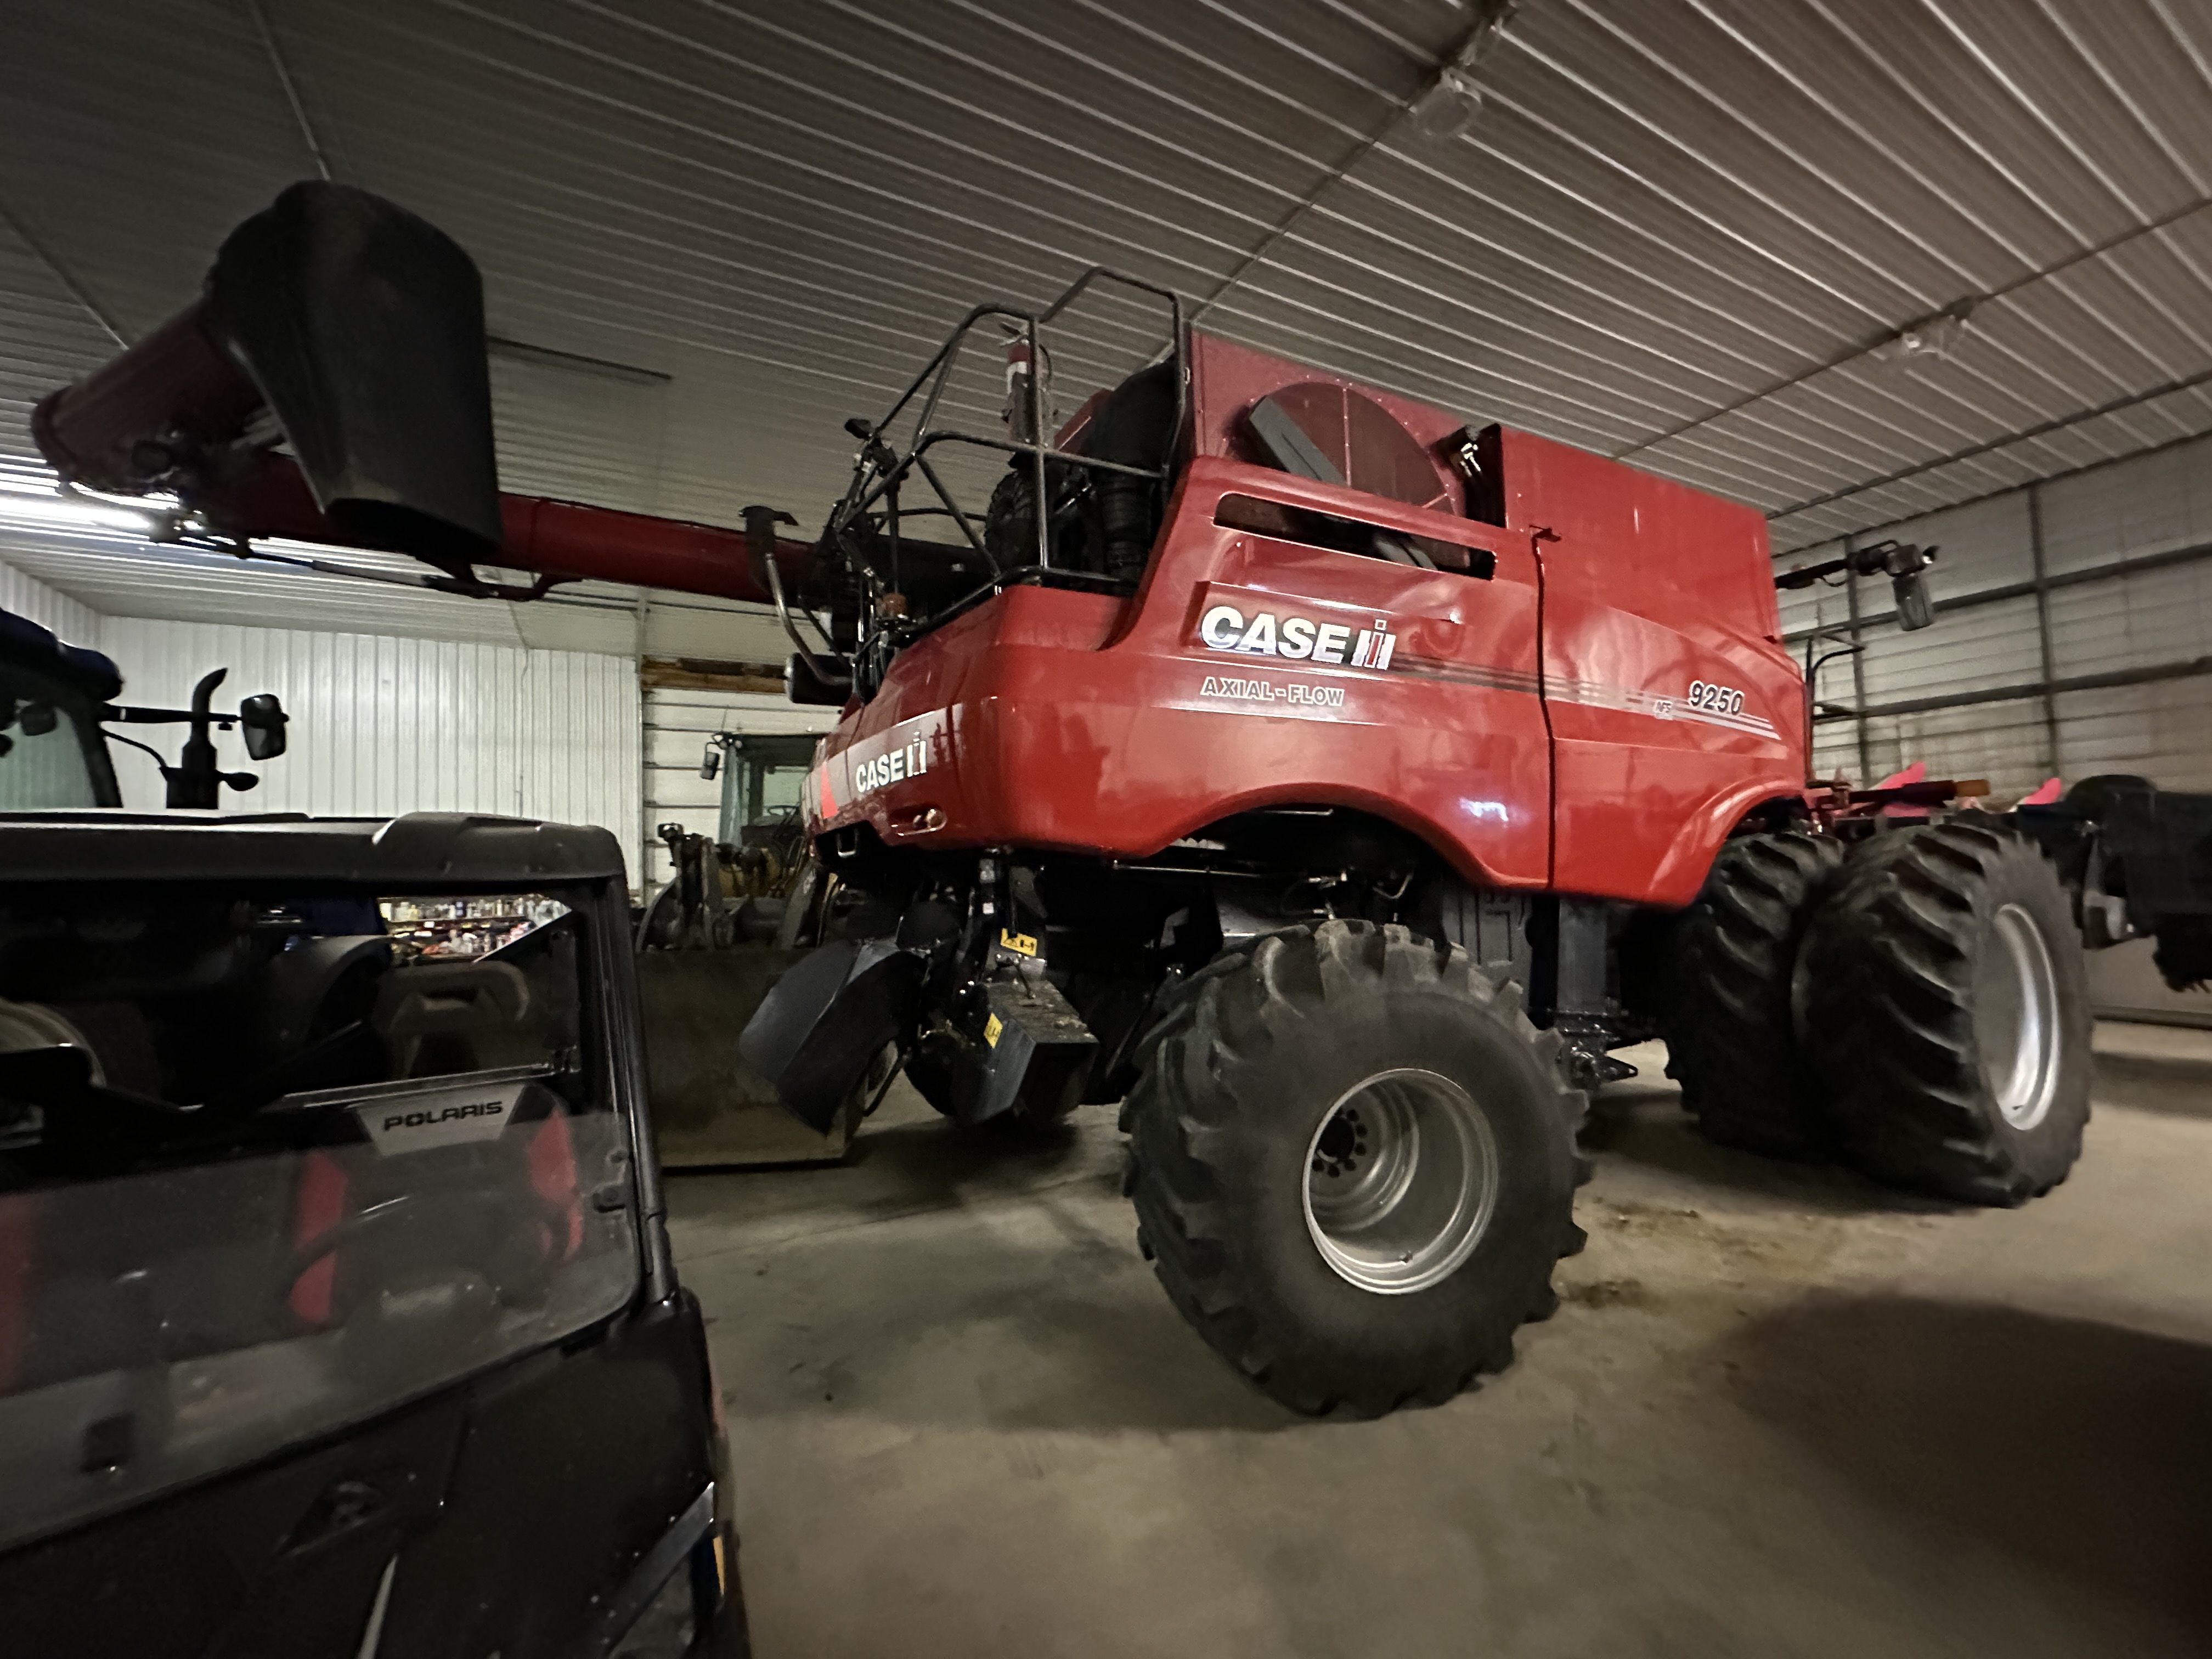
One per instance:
(992, 1027)
(1023, 943)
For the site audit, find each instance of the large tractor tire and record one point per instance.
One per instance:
(1730, 1043)
(1353, 1163)
(1947, 1004)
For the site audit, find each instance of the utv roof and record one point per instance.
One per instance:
(85, 672)
(424, 850)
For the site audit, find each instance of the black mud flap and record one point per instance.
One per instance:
(815, 1033)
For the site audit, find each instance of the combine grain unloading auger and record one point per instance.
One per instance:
(1335, 785)
(351, 332)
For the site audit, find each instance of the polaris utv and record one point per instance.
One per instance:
(337, 1315)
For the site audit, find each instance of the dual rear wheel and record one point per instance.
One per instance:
(1920, 1009)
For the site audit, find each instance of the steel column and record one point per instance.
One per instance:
(2043, 628)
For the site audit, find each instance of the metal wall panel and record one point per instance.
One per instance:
(2133, 620)
(2162, 731)
(2101, 620)
(2145, 504)
(382, 725)
(71, 618)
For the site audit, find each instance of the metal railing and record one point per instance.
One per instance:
(880, 471)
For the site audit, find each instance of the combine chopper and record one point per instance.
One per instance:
(1333, 783)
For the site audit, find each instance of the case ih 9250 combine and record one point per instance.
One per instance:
(1330, 783)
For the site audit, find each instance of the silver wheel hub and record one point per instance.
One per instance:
(1402, 1177)
(2016, 1018)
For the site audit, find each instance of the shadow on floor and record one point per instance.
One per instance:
(2152, 1086)
(2082, 1448)
(946, 1324)
(900, 1168)
(1645, 1124)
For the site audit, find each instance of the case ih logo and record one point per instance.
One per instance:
(1299, 639)
(909, 760)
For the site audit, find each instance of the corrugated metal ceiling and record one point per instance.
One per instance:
(1677, 232)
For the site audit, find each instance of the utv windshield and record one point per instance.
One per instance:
(272, 1161)
(52, 756)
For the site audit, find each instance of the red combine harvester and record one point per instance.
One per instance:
(1333, 784)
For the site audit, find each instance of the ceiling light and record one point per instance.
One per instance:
(1448, 107)
(1453, 102)
(61, 513)
(1938, 338)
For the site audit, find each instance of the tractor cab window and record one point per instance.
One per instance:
(51, 753)
(761, 824)
(274, 1161)
(762, 779)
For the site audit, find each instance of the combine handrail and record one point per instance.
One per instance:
(880, 470)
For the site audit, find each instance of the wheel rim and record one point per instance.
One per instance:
(2016, 1018)
(1400, 1180)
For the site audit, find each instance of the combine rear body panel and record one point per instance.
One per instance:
(1613, 642)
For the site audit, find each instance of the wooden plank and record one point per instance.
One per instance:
(706, 674)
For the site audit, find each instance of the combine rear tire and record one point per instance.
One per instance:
(1353, 1163)
(1947, 1003)
(1729, 1041)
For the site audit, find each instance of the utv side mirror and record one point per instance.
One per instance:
(710, 763)
(1914, 609)
(263, 719)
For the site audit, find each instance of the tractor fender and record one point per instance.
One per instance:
(815, 1033)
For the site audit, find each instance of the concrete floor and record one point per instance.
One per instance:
(1780, 1413)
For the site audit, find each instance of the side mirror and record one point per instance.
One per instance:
(263, 719)
(1908, 582)
(1914, 608)
(710, 763)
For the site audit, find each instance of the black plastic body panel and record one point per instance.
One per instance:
(512, 1506)
(509, 1511)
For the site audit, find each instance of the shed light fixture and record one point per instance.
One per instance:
(1452, 103)
(1449, 107)
(32, 506)
(1936, 337)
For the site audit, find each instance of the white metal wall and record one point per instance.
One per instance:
(382, 725)
(2157, 503)
(76, 622)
